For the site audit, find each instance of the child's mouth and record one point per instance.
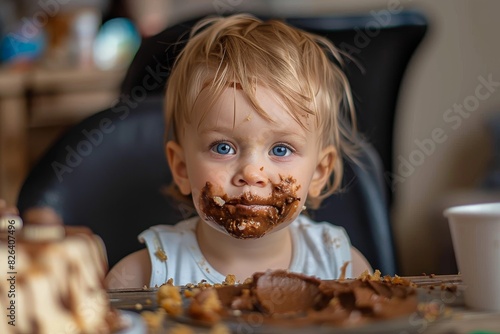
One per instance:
(250, 216)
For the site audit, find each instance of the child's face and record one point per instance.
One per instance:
(249, 176)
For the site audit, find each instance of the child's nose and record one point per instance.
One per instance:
(251, 175)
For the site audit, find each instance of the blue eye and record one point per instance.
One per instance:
(223, 148)
(281, 151)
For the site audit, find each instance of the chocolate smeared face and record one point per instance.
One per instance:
(250, 216)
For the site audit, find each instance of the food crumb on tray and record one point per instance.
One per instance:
(303, 300)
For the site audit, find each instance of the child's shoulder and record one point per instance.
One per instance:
(188, 224)
(304, 222)
(310, 231)
(170, 235)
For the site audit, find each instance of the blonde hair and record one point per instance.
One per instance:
(298, 66)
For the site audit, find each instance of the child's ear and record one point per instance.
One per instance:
(326, 162)
(177, 163)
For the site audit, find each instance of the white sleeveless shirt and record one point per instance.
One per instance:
(319, 249)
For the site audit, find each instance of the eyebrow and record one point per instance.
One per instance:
(277, 133)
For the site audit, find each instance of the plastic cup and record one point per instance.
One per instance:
(475, 233)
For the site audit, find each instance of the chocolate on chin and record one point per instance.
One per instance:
(249, 216)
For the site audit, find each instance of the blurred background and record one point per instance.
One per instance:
(63, 60)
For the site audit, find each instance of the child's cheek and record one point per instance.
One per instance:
(219, 178)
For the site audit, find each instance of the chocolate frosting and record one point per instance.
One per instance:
(250, 216)
(285, 293)
(290, 299)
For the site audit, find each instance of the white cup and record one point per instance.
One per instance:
(475, 233)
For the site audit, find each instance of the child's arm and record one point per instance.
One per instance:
(359, 263)
(133, 271)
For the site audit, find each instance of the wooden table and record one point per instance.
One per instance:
(13, 142)
(458, 319)
(441, 294)
(37, 106)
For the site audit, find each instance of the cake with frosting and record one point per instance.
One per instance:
(282, 298)
(54, 279)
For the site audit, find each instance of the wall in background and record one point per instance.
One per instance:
(443, 147)
(453, 85)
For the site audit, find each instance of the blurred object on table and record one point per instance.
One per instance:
(116, 44)
(63, 35)
(475, 231)
(23, 44)
(79, 39)
(71, 37)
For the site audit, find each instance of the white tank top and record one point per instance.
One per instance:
(319, 249)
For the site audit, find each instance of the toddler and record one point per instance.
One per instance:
(261, 115)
